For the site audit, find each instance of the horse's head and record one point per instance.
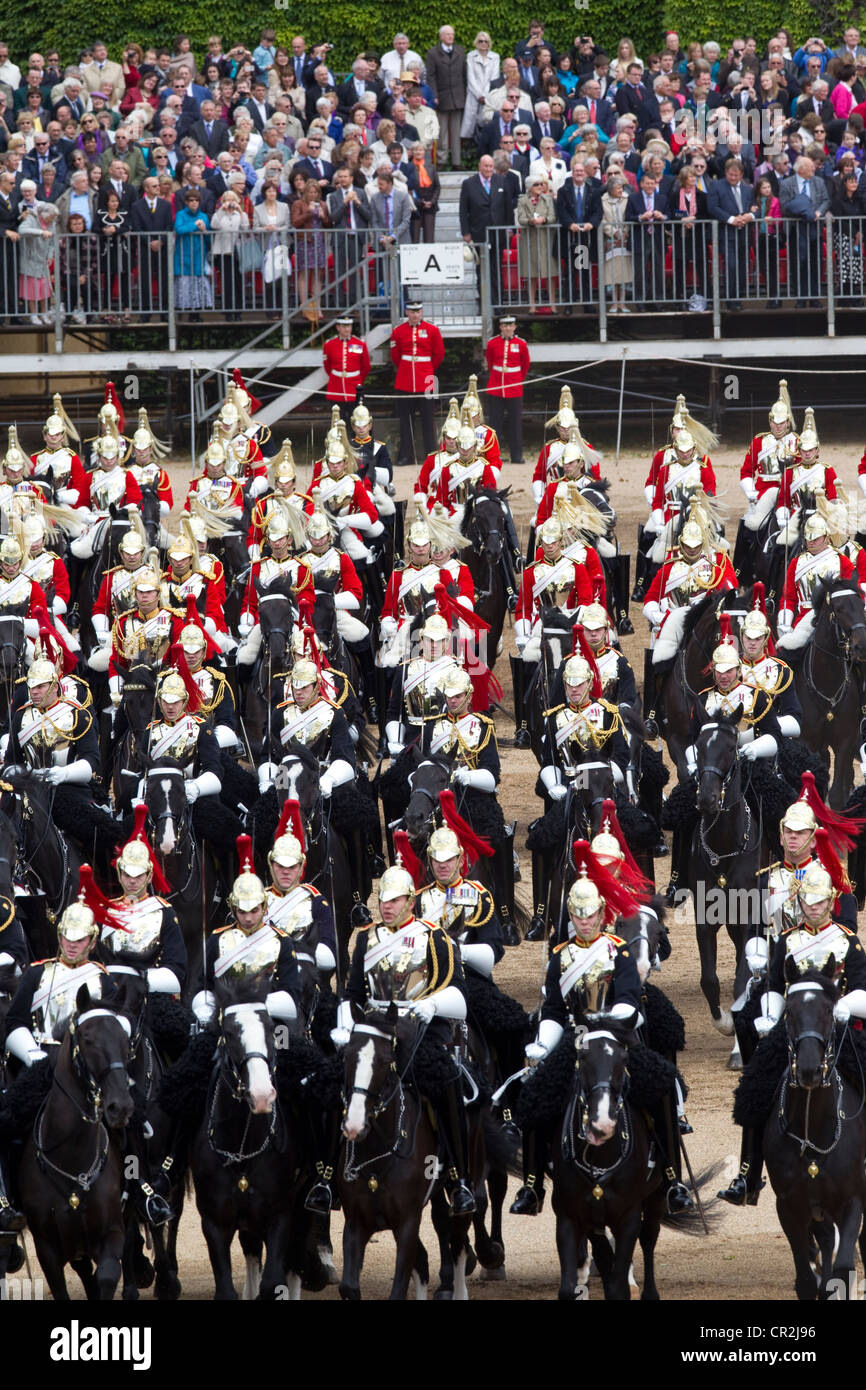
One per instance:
(716, 747)
(601, 1078)
(370, 1070)
(99, 1035)
(593, 784)
(298, 777)
(275, 620)
(247, 1046)
(150, 513)
(844, 604)
(325, 613)
(138, 696)
(809, 1004)
(165, 797)
(483, 523)
(643, 934)
(11, 646)
(431, 776)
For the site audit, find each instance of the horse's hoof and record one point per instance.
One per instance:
(14, 1258)
(168, 1288)
(735, 1061)
(494, 1275)
(625, 627)
(724, 1024)
(443, 1296)
(537, 929)
(144, 1275)
(130, 1293)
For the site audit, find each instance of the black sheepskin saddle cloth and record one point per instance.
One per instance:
(545, 1095)
(757, 1092)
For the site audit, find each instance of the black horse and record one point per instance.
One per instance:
(830, 681)
(244, 1159)
(186, 867)
(724, 859)
(12, 651)
(814, 1143)
(601, 1180)
(48, 861)
(71, 1174)
(483, 525)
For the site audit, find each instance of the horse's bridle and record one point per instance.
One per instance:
(227, 1073)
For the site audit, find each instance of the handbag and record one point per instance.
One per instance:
(249, 254)
(277, 262)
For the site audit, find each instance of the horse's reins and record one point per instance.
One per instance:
(235, 1087)
(809, 664)
(352, 1170)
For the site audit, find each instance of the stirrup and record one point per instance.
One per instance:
(528, 1202)
(678, 1199)
(462, 1198)
(739, 1194)
(319, 1199)
(157, 1210)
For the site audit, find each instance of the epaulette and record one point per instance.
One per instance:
(606, 704)
(770, 867)
(554, 710)
(561, 947)
(11, 918)
(314, 892)
(617, 940)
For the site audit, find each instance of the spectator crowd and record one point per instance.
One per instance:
(270, 164)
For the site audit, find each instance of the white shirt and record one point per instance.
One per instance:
(10, 74)
(555, 174)
(393, 65)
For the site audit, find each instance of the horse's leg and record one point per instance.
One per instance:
(109, 1265)
(252, 1246)
(843, 1266)
(53, 1267)
(707, 950)
(274, 1272)
(649, 1234)
(421, 1273)
(406, 1238)
(616, 1286)
(84, 1270)
(796, 1222)
(493, 1258)
(131, 1251)
(354, 1244)
(844, 752)
(461, 1253)
(567, 1249)
(441, 1215)
(219, 1243)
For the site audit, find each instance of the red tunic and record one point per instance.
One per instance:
(417, 353)
(581, 589)
(543, 467)
(785, 494)
(347, 362)
(545, 506)
(594, 569)
(724, 577)
(507, 365)
(74, 478)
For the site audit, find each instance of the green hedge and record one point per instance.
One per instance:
(350, 25)
(725, 20)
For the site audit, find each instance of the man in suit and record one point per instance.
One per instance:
(602, 114)
(211, 134)
(184, 73)
(503, 124)
(303, 62)
(815, 98)
(102, 75)
(320, 86)
(72, 97)
(390, 213)
(9, 199)
(578, 211)
(632, 94)
(487, 201)
(259, 107)
(851, 48)
(152, 218)
(804, 197)
(40, 155)
(350, 92)
(544, 126)
(217, 179)
(446, 73)
(729, 201)
(349, 211)
(313, 165)
(648, 209)
(117, 181)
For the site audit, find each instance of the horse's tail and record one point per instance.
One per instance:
(707, 1218)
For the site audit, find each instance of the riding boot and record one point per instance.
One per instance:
(382, 694)
(622, 566)
(746, 1186)
(530, 1199)
(667, 1133)
(503, 887)
(363, 654)
(677, 847)
(742, 561)
(641, 584)
(511, 539)
(321, 1197)
(451, 1114)
(359, 876)
(506, 561)
(11, 1220)
(530, 547)
(150, 1205)
(541, 877)
(518, 680)
(650, 695)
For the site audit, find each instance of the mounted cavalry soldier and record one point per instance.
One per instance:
(117, 591)
(285, 535)
(244, 459)
(575, 475)
(215, 488)
(819, 562)
(284, 480)
(810, 944)
(427, 481)
(295, 907)
(217, 701)
(488, 444)
(184, 736)
(417, 693)
(308, 716)
(762, 668)
(145, 631)
(583, 721)
(408, 588)
(111, 485)
(47, 569)
(55, 735)
(453, 477)
(549, 466)
(591, 972)
(341, 494)
(249, 948)
(412, 961)
(57, 466)
(185, 580)
(768, 457)
(807, 481)
(682, 475)
(45, 999)
(19, 499)
(618, 683)
(333, 567)
(145, 466)
(759, 735)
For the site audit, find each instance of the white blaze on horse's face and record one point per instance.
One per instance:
(293, 772)
(355, 1122)
(640, 948)
(602, 1122)
(252, 1032)
(168, 841)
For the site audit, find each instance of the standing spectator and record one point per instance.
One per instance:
(578, 208)
(349, 212)
(767, 213)
(209, 132)
(192, 284)
(426, 196)
(310, 217)
(536, 255)
(554, 170)
(9, 200)
(617, 255)
(228, 223)
(49, 188)
(78, 198)
(688, 208)
(804, 199)
(487, 204)
(35, 222)
(395, 61)
(391, 211)
(113, 225)
(842, 97)
(271, 218)
(846, 203)
(648, 208)
(151, 218)
(265, 54)
(446, 73)
(730, 201)
(103, 75)
(79, 270)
